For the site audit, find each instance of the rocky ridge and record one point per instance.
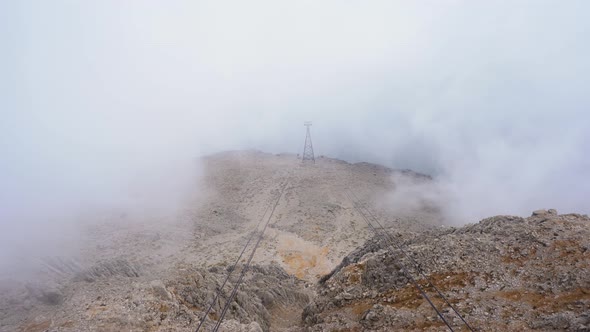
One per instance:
(504, 273)
(319, 268)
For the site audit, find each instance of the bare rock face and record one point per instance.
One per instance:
(266, 290)
(318, 267)
(503, 274)
(537, 213)
(47, 294)
(235, 326)
(160, 290)
(109, 268)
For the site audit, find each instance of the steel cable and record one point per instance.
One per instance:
(246, 267)
(232, 270)
(406, 272)
(414, 262)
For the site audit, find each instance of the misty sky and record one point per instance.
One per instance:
(491, 97)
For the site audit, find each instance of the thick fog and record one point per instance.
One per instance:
(107, 104)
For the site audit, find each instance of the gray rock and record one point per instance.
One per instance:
(52, 296)
(108, 269)
(371, 315)
(503, 254)
(540, 212)
(47, 294)
(160, 290)
(254, 327)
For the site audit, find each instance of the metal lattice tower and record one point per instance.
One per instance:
(308, 148)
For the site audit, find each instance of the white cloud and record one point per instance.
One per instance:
(490, 97)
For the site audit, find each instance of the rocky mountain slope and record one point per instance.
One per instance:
(502, 274)
(319, 267)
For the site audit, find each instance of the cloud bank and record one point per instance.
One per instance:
(105, 100)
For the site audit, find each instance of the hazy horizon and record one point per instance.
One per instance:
(105, 100)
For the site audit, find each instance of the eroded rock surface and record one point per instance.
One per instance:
(503, 274)
(318, 267)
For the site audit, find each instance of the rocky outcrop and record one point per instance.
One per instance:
(50, 294)
(109, 268)
(265, 289)
(502, 274)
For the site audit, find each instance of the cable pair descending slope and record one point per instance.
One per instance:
(248, 262)
(368, 216)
